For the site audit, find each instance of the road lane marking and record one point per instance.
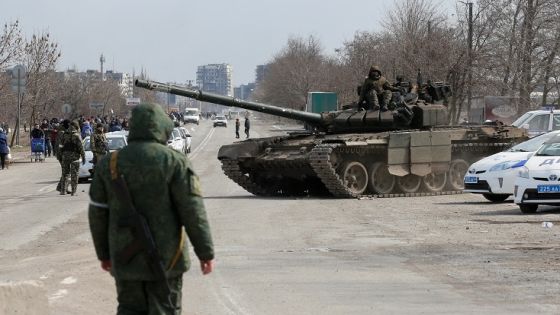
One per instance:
(48, 188)
(58, 294)
(69, 280)
(202, 144)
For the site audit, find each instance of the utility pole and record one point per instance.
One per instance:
(102, 61)
(469, 56)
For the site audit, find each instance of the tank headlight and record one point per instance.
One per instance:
(523, 172)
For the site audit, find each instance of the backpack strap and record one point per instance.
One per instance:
(113, 165)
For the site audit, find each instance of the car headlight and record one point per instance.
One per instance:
(503, 166)
(523, 172)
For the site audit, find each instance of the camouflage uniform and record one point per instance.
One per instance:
(374, 87)
(99, 145)
(58, 151)
(165, 190)
(72, 150)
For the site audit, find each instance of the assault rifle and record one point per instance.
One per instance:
(143, 239)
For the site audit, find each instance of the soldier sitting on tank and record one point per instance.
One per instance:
(375, 87)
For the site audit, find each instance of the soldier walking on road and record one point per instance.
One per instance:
(165, 197)
(62, 128)
(72, 150)
(247, 125)
(99, 144)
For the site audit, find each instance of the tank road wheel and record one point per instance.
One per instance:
(409, 183)
(355, 177)
(434, 182)
(457, 170)
(380, 180)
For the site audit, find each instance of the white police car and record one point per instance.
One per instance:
(494, 176)
(538, 181)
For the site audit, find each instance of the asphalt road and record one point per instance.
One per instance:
(454, 254)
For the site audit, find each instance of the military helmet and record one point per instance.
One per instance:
(375, 68)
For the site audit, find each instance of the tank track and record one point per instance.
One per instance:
(233, 171)
(320, 162)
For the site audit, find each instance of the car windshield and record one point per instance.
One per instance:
(191, 113)
(551, 148)
(174, 134)
(220, 118)
(114, 143)
(521, 120)
(533, 144)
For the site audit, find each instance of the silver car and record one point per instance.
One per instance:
(116, 140)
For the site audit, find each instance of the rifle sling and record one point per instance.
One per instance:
(119, 185)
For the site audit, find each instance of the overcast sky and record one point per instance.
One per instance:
(170, 38)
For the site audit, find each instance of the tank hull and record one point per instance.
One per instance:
(384, 164)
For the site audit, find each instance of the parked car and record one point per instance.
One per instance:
(538, 181)
(176, 140)
(116, 140)
(220, 121)
(494, 176)
(187, 137)
(539, 121)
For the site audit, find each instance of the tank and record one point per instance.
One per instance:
(405, 151)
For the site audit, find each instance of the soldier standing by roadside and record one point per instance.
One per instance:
(247, 125)
(99, 145)
(165, 192)
(72, 150)
(237, 126)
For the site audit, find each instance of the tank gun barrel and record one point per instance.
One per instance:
(311, 118)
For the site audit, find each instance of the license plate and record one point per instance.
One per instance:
(548, 188)
(471, 180)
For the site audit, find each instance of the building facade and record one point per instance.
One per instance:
(215, 78)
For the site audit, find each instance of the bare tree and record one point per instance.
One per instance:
(41, 55)
(294, 72)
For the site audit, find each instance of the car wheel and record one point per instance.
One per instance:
(496, 197)
(528, 208)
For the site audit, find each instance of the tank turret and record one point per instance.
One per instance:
(408, 113)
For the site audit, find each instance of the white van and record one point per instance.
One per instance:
(539, 121)
(191, 115)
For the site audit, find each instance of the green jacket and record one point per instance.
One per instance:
(163, 188)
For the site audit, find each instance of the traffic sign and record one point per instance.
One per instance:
(96, 105)
(132, 101)
(66, 108)
(19, 78)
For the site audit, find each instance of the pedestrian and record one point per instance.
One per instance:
(37, 133)
(62, 128)
(47, 130)
(247, 125)
(72, 150)
(165, 191)
(237, 126)
(86, 130)
(98, 143)
(4, 149)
